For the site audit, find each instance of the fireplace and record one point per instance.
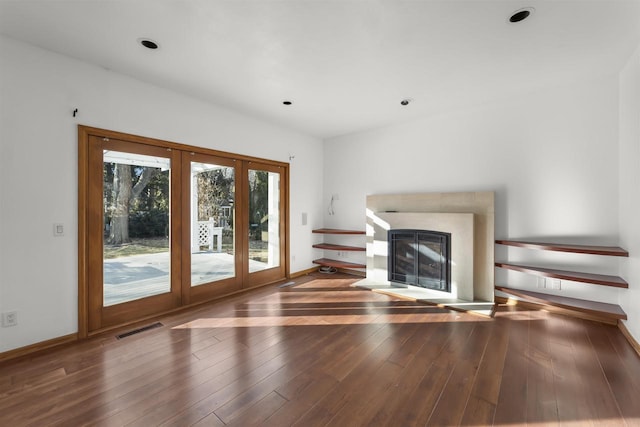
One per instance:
(460, 250)
(466, 218)
(420, 258)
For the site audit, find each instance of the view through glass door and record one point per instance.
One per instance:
(136, 252)
(210, 260)
(265, 221)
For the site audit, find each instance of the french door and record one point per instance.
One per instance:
(164, 226)
(212, 249)
(264, 223)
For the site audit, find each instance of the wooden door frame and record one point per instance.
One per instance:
(84, 134)
(102, 317)
(203, 292)
(269, 275)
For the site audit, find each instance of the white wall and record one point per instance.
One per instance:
(38, 171)
(630, 189)
(550, 156)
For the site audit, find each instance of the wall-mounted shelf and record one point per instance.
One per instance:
(332, 247)
(593, 308)
(559, 247)
(337, 264)
(598, 310)
(336, 231)
(327, 262)
(575, 276)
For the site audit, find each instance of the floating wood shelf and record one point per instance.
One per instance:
(558, 247)
(327, 262)
(331, 247)
(598, 309)
(596, 279)
(337, 264)
(336, 231)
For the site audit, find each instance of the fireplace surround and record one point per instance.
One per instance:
(467, 216)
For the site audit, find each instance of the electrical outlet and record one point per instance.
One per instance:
(9, 318)
(556, 284)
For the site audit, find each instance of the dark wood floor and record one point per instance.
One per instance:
(322, 353)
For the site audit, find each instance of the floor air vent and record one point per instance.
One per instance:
(137, 331)
(285, 285)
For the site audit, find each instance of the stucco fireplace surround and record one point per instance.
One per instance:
(467, 216)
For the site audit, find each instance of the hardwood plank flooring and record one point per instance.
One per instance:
(323, 353)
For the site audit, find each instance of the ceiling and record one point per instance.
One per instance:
(345, 65)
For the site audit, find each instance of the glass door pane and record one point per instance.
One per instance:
(136, 228)
(264, 220)
(212, 222)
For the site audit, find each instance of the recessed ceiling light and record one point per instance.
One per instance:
(148, 43)
(287, 102)
(521, 14)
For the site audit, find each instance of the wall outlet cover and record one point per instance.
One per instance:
(9, 319)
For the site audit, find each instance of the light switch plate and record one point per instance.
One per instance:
(58, 230)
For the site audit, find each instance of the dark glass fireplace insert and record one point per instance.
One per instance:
(420, 258)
